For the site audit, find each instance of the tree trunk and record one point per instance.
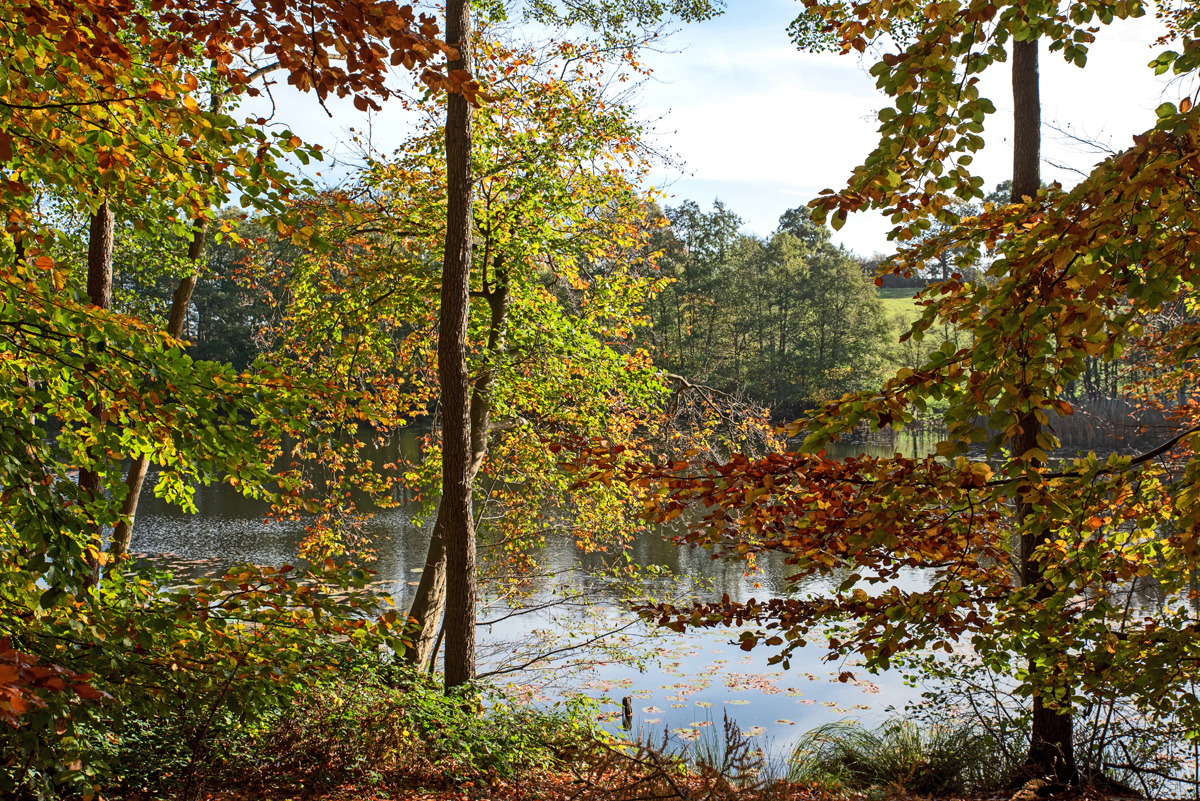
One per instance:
(1027, 121)
(1051, 746)
(430, 600)
(123, 530)
(99, 289)
(456, 509)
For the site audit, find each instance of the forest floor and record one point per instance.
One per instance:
(565, 788)
(572, 786)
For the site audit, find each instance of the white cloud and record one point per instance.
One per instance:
(765, 127)
(768, 126)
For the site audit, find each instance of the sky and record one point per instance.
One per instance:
(765, 127)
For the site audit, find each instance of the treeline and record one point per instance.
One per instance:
(789, 320)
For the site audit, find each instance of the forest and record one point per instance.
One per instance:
(432, 470)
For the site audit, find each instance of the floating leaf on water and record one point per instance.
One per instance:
(786, 722)
(685, 732)
(705, 704)
(754, 731)
(738, 701)
(652, 720)
(861, 706)
(678, 706)
(701, 723)
(651, 710)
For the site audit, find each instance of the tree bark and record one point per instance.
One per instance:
(456, 505)
(99, 289)
(429, 603)
(1027, 121)
(123, 530)
(1051, 741)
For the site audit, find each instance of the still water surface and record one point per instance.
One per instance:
(686, 683)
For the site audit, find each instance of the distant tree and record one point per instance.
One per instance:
(790, 321)
(799, 223)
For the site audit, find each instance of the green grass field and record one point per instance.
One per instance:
(899, 301)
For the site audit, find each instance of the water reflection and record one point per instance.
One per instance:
(689, 680)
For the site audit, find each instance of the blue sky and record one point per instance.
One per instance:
(765, 127)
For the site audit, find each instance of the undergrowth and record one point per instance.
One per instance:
(372, 724)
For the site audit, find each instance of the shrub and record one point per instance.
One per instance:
(170, 677)
(377, 721)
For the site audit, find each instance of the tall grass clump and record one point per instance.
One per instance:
(938, 759)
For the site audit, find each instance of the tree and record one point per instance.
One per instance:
(790, 321)
(1071, 275)
(466, 409)
(456, 507)
(117, 129)
(100, 118)
(1051, 738)
(561, 270)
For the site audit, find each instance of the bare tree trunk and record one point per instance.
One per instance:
(1027, 121)
(1051, 746)
(123, 530)
(99, 289)
(456, 507)
(429, 602)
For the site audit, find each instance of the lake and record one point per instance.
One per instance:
(687, 681)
